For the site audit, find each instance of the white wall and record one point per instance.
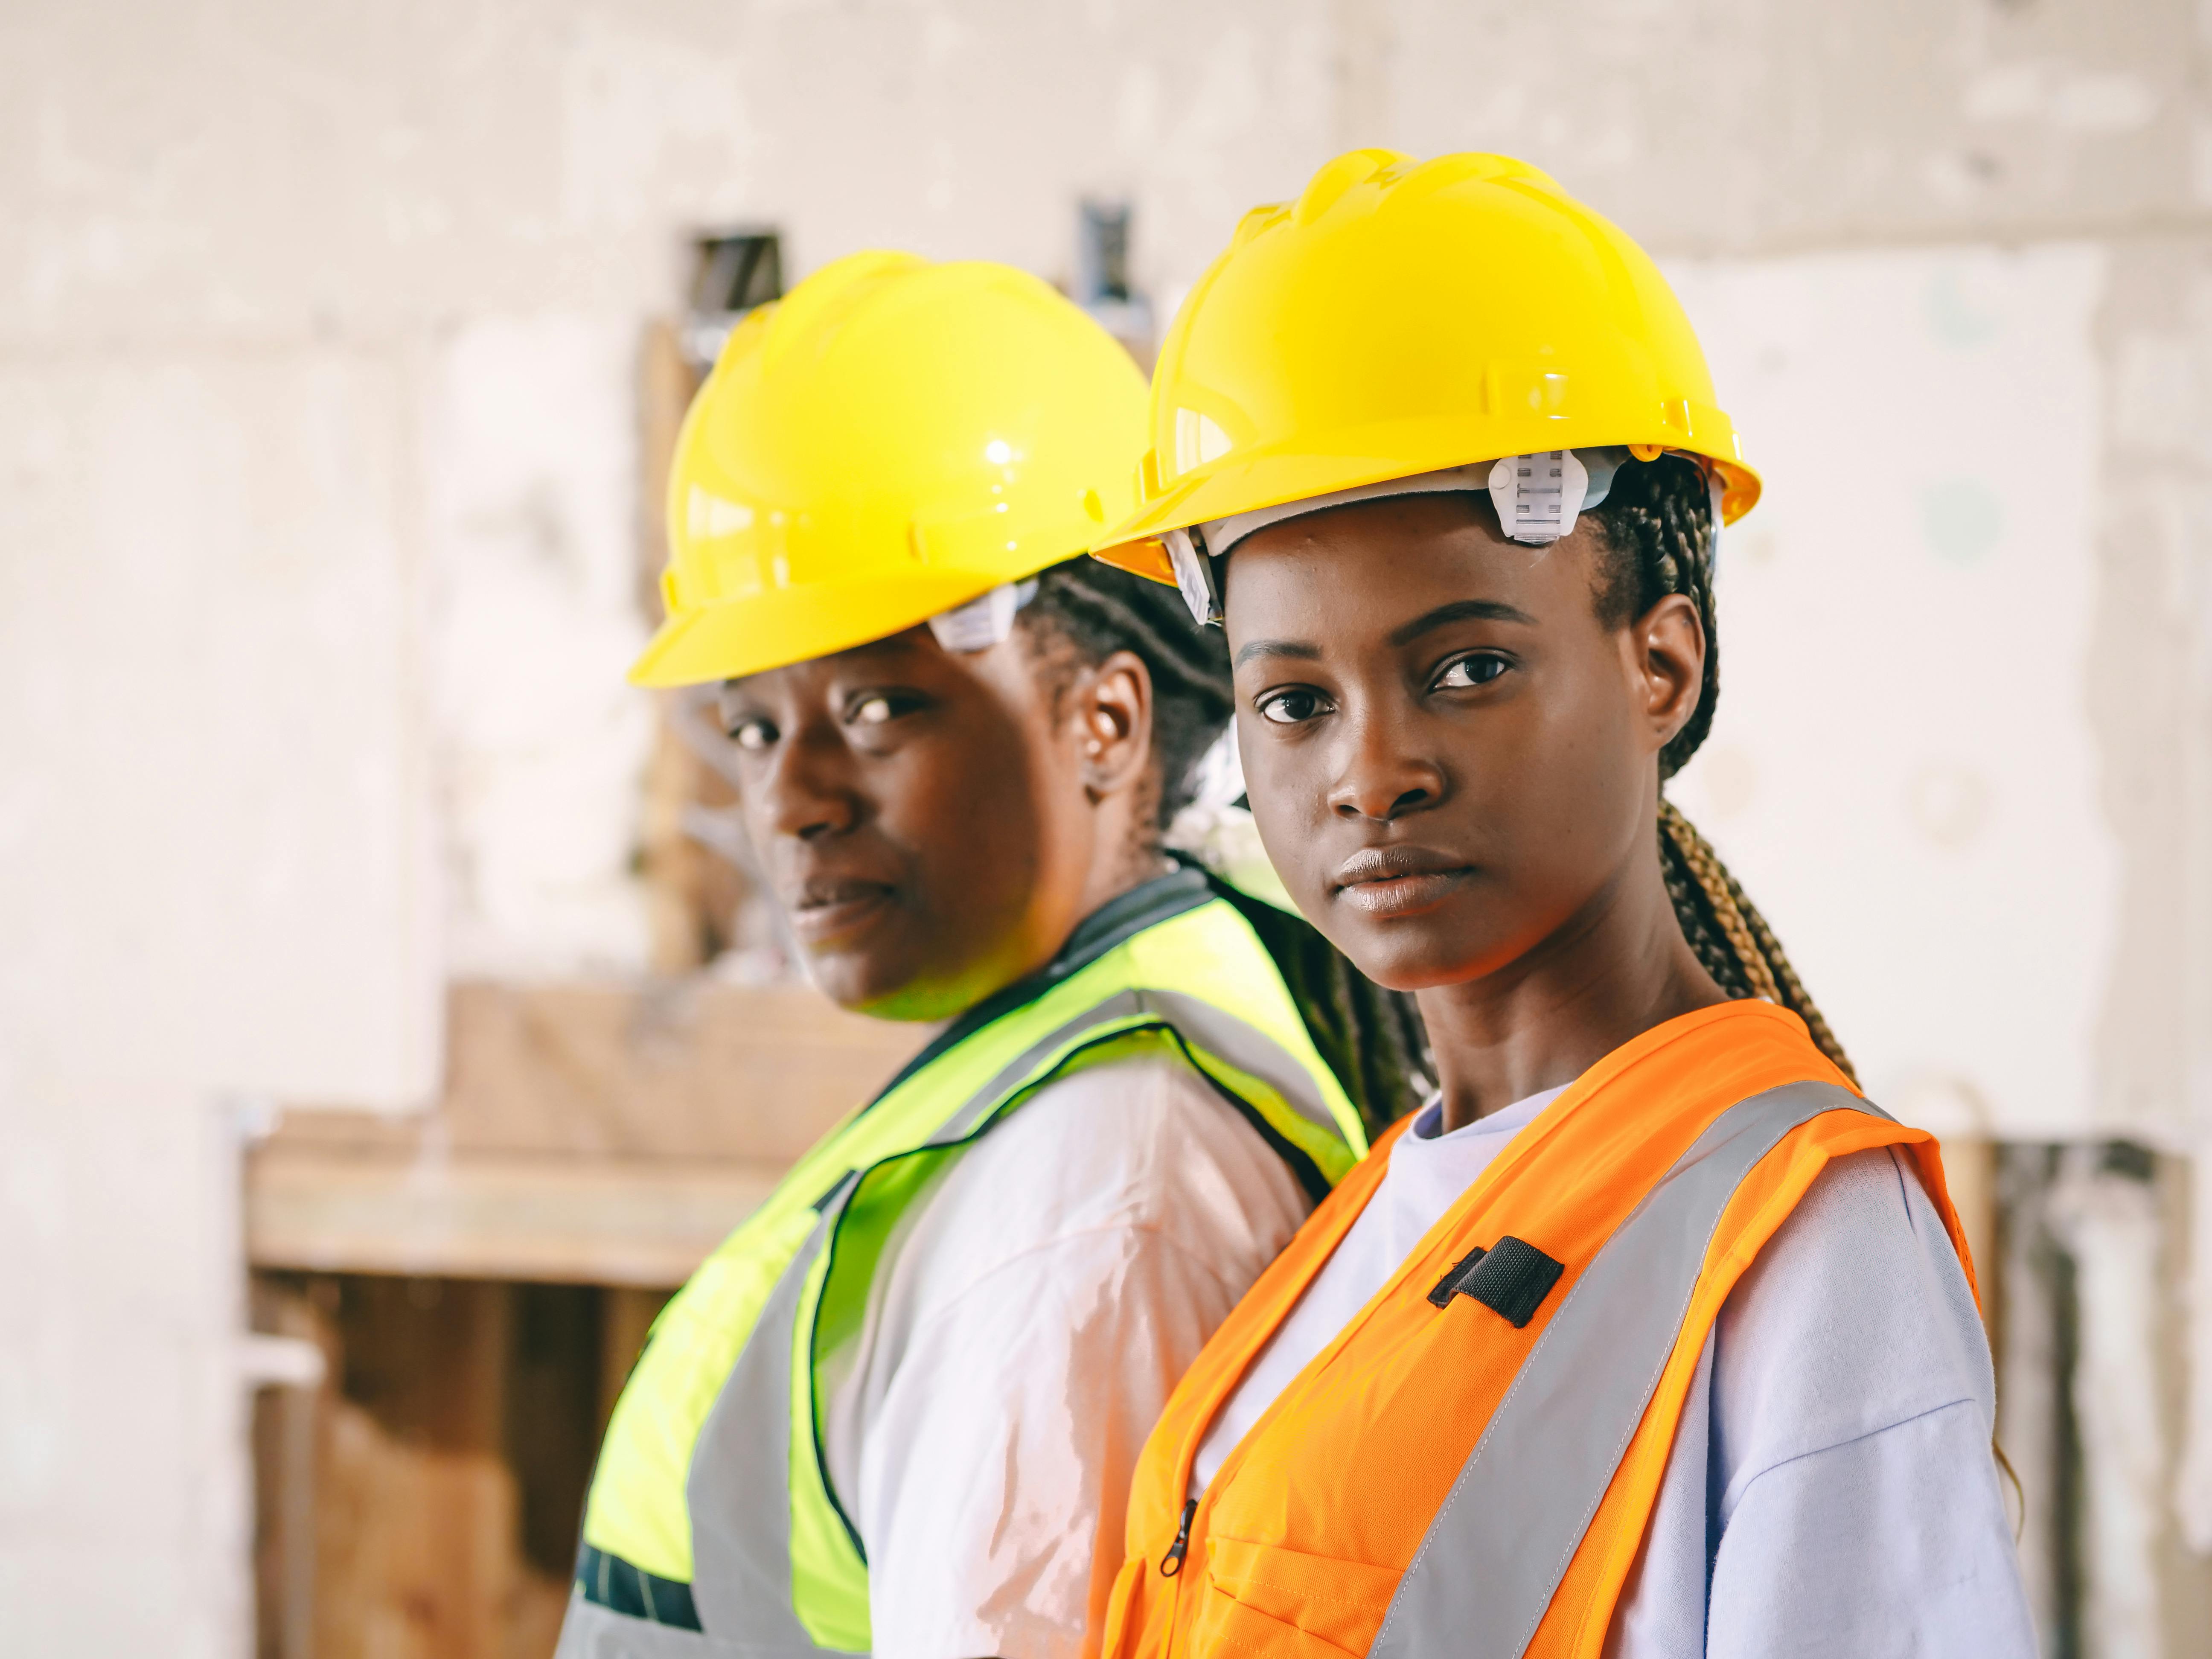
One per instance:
(1903, 770)
(317, 512)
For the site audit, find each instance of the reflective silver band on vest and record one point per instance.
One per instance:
(590, 1632)
(1225, 1036)
(738, 1490)
(1495, 1553)
(1247, 1047)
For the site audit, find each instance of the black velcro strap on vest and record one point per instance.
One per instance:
(610, 1582)
(1448, 1286)
(1511, 1278)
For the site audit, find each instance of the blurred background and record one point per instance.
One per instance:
(384, 1029)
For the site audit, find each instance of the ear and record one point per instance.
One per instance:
(1110, 707)
(1667, 656)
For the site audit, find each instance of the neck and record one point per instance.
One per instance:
(1120, 858)
(1617, 967)
(1110, 885)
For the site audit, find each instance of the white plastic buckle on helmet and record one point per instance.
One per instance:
(985, 620)
(1538, 499)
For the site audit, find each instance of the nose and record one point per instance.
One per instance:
(1379, 779)
(807, 791)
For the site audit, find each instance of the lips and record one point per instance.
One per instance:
(826, 908)
(1398, 881)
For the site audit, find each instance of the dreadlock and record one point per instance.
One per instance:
(1084, 612)
(1657, 532)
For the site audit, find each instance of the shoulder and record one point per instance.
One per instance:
(1867, 1230)
(1139, 1152)
(1855, 1317)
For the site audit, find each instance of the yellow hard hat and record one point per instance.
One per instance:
(1405, 318)
(892, 441)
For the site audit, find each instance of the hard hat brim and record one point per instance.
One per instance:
(1263, 480)
(750, 634)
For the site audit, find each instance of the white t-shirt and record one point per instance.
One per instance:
(1036, 1308)
(1830, 1489)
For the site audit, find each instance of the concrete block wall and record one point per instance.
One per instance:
(317, 512)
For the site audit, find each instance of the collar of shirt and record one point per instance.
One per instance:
(1429, 1168)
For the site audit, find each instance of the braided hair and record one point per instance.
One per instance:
(1657, 539)
(1085, 611)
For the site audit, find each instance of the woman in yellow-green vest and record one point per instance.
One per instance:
(896, 1411)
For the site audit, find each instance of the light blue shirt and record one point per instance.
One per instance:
(1830, 1489)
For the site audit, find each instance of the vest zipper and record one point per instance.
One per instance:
(1172, 1563)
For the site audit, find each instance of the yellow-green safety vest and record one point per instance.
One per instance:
(711, 1528)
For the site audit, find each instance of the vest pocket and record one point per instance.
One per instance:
(1268, 1598)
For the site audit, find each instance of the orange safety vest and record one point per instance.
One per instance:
(1441, 1477)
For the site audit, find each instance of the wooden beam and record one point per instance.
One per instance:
(602, 1134)
(577, 1220)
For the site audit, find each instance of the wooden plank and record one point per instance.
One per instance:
(419, 1553)
(431, 1508)
(608, 1134)
(488, 1216)
(687, 1069)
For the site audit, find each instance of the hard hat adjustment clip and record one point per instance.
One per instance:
(985, 620)
(1193, 575)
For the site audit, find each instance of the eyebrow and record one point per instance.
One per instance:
(1461, 610)
(1302, 648)
(1457, 611)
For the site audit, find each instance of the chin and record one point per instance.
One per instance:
(1412, 965)
(1400, 955)
(843, 981)
(882, 992)
(871, 983)
(1445, 946)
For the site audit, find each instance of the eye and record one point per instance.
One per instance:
(1292, 708)
(1480, 669)
(873, 711)
(752, 736)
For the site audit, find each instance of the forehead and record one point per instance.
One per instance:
(911, 654)
(1350, 567)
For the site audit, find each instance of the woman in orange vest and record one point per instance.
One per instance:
(1650, 1336)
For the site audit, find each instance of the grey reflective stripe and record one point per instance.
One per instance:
(1123, 1005)
(1495, 1554)
(738, 1488)
(1245, 1047)
(591, 1632)
(1250, 1050)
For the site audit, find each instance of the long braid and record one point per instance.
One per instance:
(1720, 894)
(1372, 1039)
(1657, 525)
